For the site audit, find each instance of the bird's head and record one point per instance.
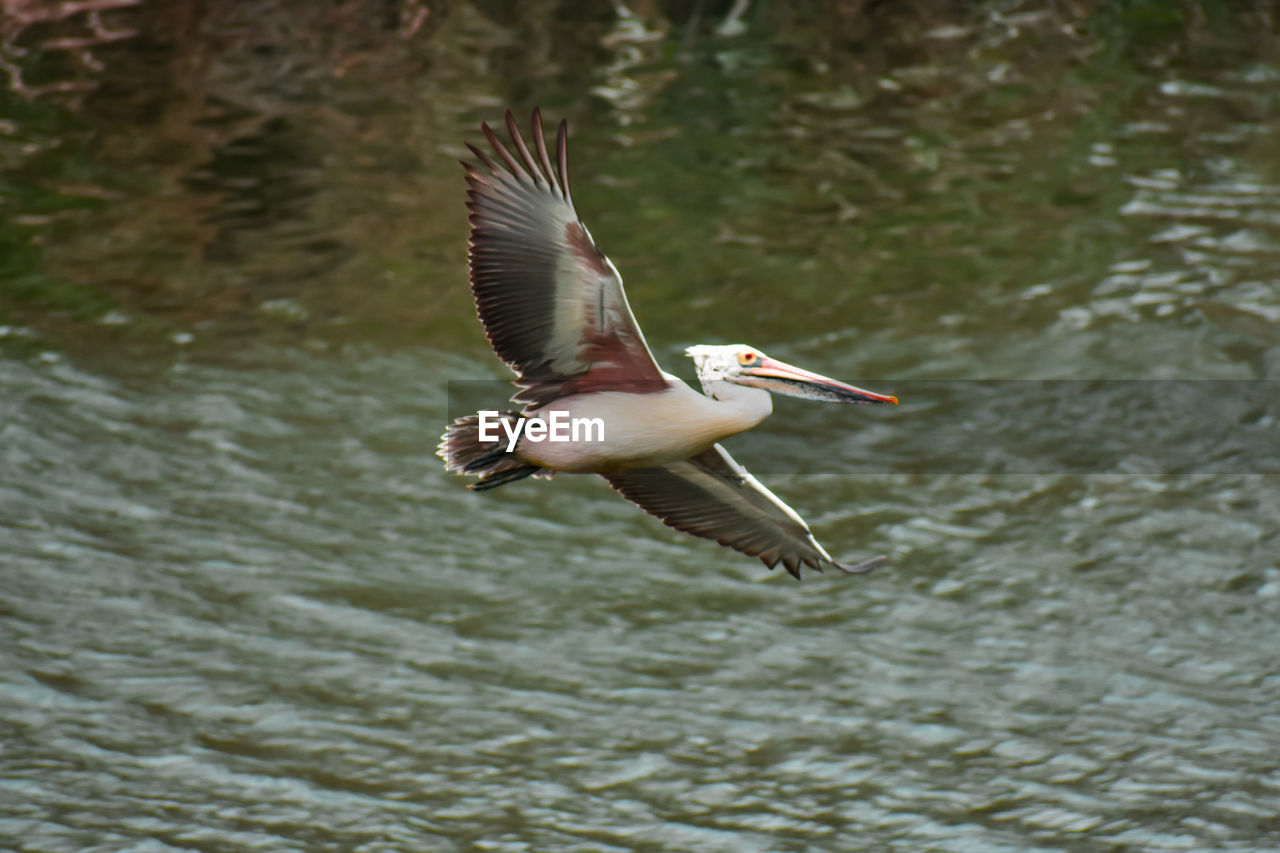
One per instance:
(744, 365)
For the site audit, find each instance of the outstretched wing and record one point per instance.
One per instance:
(551, 303)
(712, 496)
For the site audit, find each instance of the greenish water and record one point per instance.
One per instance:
(243, 607)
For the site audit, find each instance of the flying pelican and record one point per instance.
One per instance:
(553, 309)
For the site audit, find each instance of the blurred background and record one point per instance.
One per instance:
(242, 607)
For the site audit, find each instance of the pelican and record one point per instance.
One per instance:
(553, 309)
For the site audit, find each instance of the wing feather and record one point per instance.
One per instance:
(712, 496)
(551, 303)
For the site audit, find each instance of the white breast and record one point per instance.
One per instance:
(640, 430)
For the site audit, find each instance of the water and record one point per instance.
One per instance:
(244, 608)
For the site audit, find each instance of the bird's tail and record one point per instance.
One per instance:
(465, 453)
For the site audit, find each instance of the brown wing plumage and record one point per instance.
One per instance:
(551, 303)
(712, 496)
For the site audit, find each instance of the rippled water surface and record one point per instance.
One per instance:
(242, 607)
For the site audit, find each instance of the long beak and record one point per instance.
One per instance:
(782, 378)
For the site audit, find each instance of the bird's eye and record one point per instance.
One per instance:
(747, 358)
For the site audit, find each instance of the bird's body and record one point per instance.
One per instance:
(640, 430)
(554, 310)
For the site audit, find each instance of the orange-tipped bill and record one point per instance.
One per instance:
(782, 378)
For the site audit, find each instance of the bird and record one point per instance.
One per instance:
(553, 309)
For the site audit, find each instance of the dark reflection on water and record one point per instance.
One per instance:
(242, 606)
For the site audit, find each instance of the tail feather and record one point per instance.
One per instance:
(465, 453)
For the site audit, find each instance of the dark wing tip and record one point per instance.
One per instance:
(500, 149)
(562, 156)
(480, 155)
(554, 178)
(530, 165)
(863, 567)
(790, 563)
